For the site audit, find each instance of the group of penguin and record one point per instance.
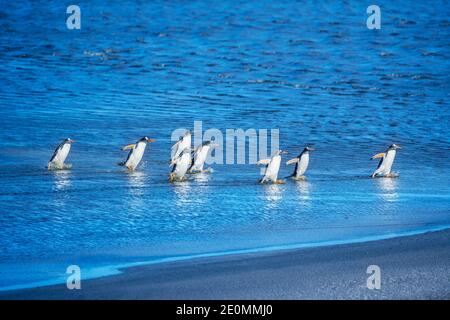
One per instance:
(186, 160)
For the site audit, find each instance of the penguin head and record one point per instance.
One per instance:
(394, 146)
(211, 143)
(187, 133)
(146, 139)
(309, 148)
(280, 152)
(68, 140)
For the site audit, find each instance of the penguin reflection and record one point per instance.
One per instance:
(62, 179)
(388, 188)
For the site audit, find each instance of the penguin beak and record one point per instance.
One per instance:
(72, 141)
(214, 145)
(151, 140)
(284, 152)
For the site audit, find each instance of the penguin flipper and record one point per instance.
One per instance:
(173, 162)
(129, 146)
(292, 161)
(378, 155)
(263, 161)
(174, 148)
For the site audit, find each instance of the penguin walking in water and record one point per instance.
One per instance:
(136, 153)
(273, 166)
(180, 166)
(199, 157)
(60, 154)
(183, 143)
(301, 163)
(387, 160)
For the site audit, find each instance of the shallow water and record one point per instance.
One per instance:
(313, 71)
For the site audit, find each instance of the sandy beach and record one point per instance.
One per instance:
(412, 267)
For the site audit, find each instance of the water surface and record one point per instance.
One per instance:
(312, 70)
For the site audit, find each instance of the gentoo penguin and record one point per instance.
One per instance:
(301, 163)
(180, 166)
(183, 143)
(387, 159)
(273, 166)
(60, 155)
(199, 156)
(136, 153)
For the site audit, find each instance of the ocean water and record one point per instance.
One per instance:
(311, 69)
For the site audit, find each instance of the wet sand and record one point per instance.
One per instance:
(412, 267)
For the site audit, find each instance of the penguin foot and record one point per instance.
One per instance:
(53, 166)
(392, 175)
(387, 175)
(301, 178)
(66, 166)
(279, 181)
(209, 170)
(173, 178)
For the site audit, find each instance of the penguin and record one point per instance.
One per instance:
(180, 166)
(60, 154)
(273, 166)
(387, 159)
(183, 143)
(199, 157)
(301, 163)
(136, 153)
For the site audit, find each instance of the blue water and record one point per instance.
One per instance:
(312, 70)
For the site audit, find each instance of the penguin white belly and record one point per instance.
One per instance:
(182, 166)
(302, 165)
(200, 159)
(61, 156)
(388, 162)
(184, 143)
(272, 169)
(136, 156)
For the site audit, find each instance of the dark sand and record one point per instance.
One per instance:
(413, 267)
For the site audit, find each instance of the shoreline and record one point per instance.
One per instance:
(422, 258)
(115, 269)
